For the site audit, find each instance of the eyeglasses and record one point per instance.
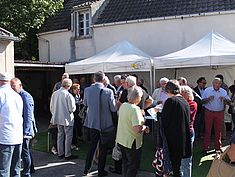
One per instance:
(204, 83)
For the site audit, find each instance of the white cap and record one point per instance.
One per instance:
(5, 77)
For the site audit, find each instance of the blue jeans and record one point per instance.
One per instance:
(26, 158)
(10, 160)
(186, 163)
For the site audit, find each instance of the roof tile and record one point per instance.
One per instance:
(124, 10)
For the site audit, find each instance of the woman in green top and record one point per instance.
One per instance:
(130, 132)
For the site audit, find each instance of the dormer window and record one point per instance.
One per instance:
(82, 23)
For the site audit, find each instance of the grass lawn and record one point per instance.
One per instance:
(201, 164)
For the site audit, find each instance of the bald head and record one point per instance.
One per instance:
(16, 84)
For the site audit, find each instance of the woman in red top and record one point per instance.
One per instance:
(186, 163)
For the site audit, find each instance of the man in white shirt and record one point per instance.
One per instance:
(11, 128)
(214, 99)
(159, 94)
(62, 106)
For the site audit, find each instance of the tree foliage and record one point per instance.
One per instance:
(23, 18)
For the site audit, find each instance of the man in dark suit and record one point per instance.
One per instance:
(100, 102)
(199, 119)
(29, 126)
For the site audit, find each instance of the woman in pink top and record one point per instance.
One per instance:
(186, 163)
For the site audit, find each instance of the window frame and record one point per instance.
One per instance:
(77, 23)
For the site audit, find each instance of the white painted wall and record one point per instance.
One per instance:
(59, 46)
(7, 57)
(85, 48)
(162, 37)
(156, 38)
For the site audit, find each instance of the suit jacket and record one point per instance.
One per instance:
(197, 100)
(62, 106)
(97, 106)
(109, 86)
(196, 89)
(29, 124)
(175, 122)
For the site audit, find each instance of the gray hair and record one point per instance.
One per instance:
(134, 92)
(183, 80)
(217, 79)
(131, 80)
(117, 78)
(107, 80)
(65, 75)
(187, 90)
(66, 83)
(164, 79)
(16, 79)
(99, 76)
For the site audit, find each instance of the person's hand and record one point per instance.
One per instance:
(211, 97)
(147, 129)
(156, 109)
(142, 111)
(221, 98)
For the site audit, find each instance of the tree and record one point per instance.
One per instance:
(23, 18)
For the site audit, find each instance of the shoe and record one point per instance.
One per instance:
(205, 152)
(217, 154)
(219, 150)
(61, 156)
(71, 157)
(103, 173)
(32, 170)
(85, 172)
(113, 170)
(54, 151)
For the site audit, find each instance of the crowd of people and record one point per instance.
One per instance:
(187, 113)
(115, 114)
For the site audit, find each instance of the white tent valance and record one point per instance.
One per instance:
(121, 57)
(213, 49)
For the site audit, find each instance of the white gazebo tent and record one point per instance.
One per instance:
(120, 58)
(212, 50)
(207, 57)
(211, 55)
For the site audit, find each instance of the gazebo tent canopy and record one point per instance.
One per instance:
(121, 57)
(212, 50)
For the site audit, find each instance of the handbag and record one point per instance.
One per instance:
(82, 113)
(221, 166)
(158, 162)
(231, 153)
(117, 153)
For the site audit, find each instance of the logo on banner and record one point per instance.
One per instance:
(138, 65)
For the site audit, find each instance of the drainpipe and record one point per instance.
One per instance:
(48, 44)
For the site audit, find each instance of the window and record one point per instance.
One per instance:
(82, 24)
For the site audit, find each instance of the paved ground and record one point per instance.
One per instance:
(48, 165)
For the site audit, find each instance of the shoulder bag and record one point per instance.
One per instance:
(222, 166)
(107, 135)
